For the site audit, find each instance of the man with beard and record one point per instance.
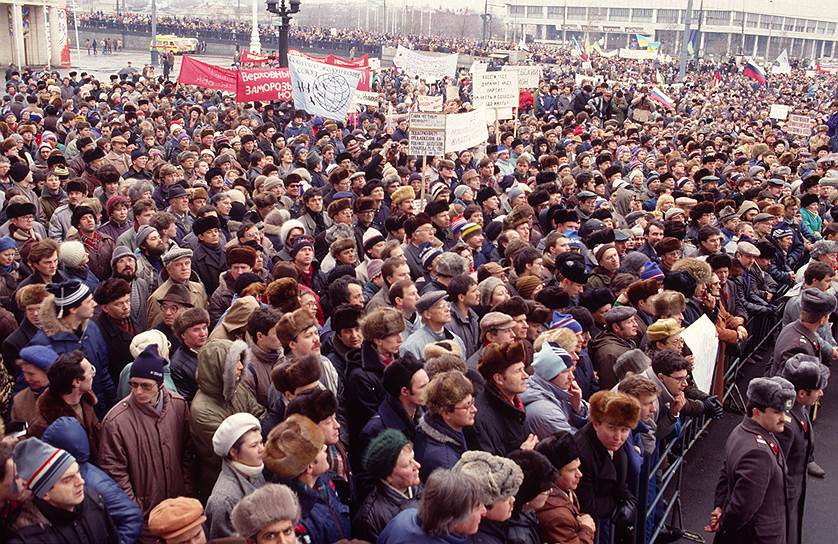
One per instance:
(94, 160)
(124, 266)
(150, 247)
(99, 247)
(209, 254)
(60, 222)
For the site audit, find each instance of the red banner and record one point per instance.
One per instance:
(251, 58)
(202, 74)
(263, 84)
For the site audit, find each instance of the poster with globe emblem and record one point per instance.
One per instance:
(322, 89)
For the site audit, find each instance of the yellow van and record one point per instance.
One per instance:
(168, 43)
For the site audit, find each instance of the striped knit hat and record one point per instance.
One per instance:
(40, 465)
(651, 271)
(457, 223)
(68, 294)
(565, 321)
(469, 229)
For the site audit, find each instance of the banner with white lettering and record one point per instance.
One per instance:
(430, 66)
(322, 89)
(496, 89)
(263, 84)
(465, 130)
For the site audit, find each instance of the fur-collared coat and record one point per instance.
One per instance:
(52, 407)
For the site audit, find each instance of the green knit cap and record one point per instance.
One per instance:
(383, 453)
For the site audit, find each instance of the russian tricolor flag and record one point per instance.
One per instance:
(753, 71)
(661, 98)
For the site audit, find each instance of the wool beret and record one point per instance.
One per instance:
(619, 314)
(40, 356)
(230, 430)
(774, 392)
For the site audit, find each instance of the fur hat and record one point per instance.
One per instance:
(806, 372)
(341, 244)
(436, 206)
(292, 324)
(110, 290)
(288, 226)
(401, 194)
(241, 255)
(774, 392)
(203, 224)
(698, 269)
(346, 316)
(560, 448)
(381, 322)
(445, 390)
(413, 223)
(497, 478)
(80, 212)
(496, 358)
(614, 408)
(817, 302)
(189, 318)
(399, 374)
(596, 298)
(296, 373)
(19, 209)
(668, 244)
(383, 452)
(518, 216)
(337, 206)
(539, 475)
(316, 404)
(450, 264)
(265, 506)
(292, 446)
(642, 290)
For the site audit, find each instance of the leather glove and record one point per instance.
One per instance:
(713, 408)
(625, 513)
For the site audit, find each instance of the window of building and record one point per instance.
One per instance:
(717, 18)
(668, 15)
(619, 14)
(765, 21)
(575, 12)
(535, 11)
(638, 14)
(516, 11)
(752, 20)
(800, 25)
(555, 11)
(738, 18)
(597, 13)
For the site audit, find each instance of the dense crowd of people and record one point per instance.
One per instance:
(239, 321)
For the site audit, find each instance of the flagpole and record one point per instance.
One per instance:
(682, 65)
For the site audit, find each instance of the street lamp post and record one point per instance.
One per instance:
(284, 11)
(154, 57)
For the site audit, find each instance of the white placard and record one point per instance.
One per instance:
(640, 54)
(478, 67)
(322, 89)
(452, 92)
(499, 114)
(703, 341)
(496, 90)
(799, 124)
(429, 103)
(465, 130)
(779, 111)
(425, 142)
(528, 76)
(375, 64)
(429, 121)
(365, 98)
(426, 65)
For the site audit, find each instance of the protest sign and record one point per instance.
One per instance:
(639, 54)
(499, 114)
(452, 92)
(425, 65)
(478, 67)
(496, 89)
(798, 124)
(703, 341)
(423, 142)
(465, 130)
(375, 64)
(429, 121)
(779, 111)
(365, 98)
(252, 58)
(196, 72)
(360, 64)
(528, 76)
(263, 84)
(322, 89)
(429, 103)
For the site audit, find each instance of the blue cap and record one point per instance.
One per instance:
(551, 361)
(41, 356)
(148, 364)
(7, 242)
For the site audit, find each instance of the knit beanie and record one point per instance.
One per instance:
(40, 356)
(40, 465)
(71, 253)
(148, 365)
(496, 478)
(7, 242)
(18, 171)
(265, 506)
(146, 338)
(383, 453)
(68, 294)
(527, 285)
(551, 361)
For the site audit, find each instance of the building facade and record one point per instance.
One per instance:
(806, 28)
(34, 33)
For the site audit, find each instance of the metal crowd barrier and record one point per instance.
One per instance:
(659, 493)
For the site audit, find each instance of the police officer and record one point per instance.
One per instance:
(750, 503)
(800, 336)
(809, 378)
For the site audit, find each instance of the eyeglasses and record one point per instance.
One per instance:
(147, 387)
(682, 379)
(468, 407)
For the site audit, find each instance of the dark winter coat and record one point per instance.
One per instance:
(752, 488)
(380, 506)
(437, 445)
(603, 483)
(324, 518)
(52, 407)
(363, 392)
(798, 443)
(209, 262)
(604, 350)
(405, 528)
(89, 523)
(499, 425)
(66, 433)
(119, 344)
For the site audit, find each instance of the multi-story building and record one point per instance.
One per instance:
(33, 32)
(758, 28)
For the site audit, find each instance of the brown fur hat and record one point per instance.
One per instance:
(292, 446)
(296, 373)
(518, 216)
(641, 290)
(189, 318)
(615, 408)
(382, 322)
(31, 294)
(496, 358)
(292, 324)
(446, 390)
(341, 244)
(284, 294)
(698, 269)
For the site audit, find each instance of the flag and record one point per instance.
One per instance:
(598, 46)
(587, 47)
(653, 46)
(753, 71)
(644, 41)
(691, 47)
(717, 77)
(578, 46)
(661, 98)
(783, 58)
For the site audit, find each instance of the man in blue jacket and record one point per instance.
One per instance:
(66, 326)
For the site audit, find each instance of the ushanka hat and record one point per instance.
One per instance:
(496, 477)
(774, 392)
(265, 506)
(292, 446)
(614, 408)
